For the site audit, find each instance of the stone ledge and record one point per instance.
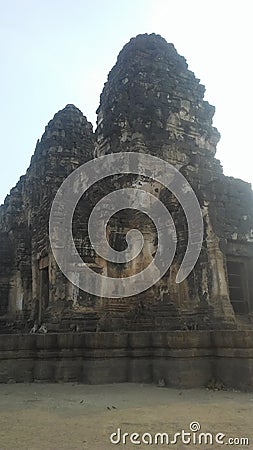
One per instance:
(182, 358)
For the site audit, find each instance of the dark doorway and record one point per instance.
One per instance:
(44, 290)
(237, 283)
(4, 296)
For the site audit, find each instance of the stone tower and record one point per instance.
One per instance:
(150, 104)
(30, 281)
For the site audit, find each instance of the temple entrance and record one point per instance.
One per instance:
(44, 291)
(4, 295)
(237, 283)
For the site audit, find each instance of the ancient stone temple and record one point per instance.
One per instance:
(151, 104)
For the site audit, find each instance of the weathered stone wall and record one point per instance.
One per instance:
(181, 359)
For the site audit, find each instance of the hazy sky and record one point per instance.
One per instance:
(55, 52)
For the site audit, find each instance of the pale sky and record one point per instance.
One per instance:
(55, 52)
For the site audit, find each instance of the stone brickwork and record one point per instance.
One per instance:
(151, 104)
(185, 359)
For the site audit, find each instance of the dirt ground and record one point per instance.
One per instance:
(75, 417)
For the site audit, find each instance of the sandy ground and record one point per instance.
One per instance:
(75, 417)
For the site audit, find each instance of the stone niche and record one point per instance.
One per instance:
(151, 103)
